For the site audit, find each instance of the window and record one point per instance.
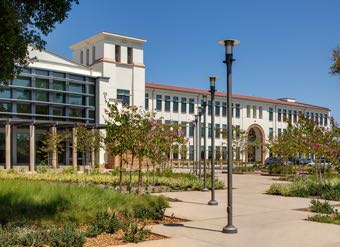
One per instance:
(129, 55)
(92, 101)
(279, 131)
(81, 57)
(75, 99)
(76, 88)
(58, 74)
(191, 152)
(307, 115)
(321, 119)
(238, 111)
(325, 120)
(191, 129)
(224, 109)
(191, 105)
(260, 112)
(295, 117)
(248, 111)
(167, 103)
(77, 77)
(224, 131)
(270, 133)
(209, 107)
(87, 57)
(124, 96)
(58, 111)
(41, 72)
(92, 116)
(58, 98)
(284, 115)
(5, 107)
(184, 128)
(217, 108)
(290, 115)
(24, 108)
(184, 105)
(159, 102)
(22, 81)
(23, 145)
(209, 152)
(254, 111)
(175, 152)
(217, 131)
(316, 118)
(41, 83)
(117, 53)
(146, 105)
(74, 112)
(41, 109)
(209, 130)
(93, 54)
(279, 117)
(5, 93)
(202, 130)
(312, 116)
(23, 94)
(175, 104)
(41, 96)
(58, 85)
(92, 89)
(270, 114)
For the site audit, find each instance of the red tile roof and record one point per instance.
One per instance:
(152, 85)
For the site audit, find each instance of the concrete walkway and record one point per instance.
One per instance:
(262, 220)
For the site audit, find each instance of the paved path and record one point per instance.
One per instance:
(262, 220)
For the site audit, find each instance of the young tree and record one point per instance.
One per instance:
(23, 24)
(335, 67)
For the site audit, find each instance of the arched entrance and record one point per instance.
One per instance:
(255, 149)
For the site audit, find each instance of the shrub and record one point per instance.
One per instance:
(321, 207)
(69, 170)
(42, 168)
(66, 237)
(144, 212)
(134, 233)
(104, 223)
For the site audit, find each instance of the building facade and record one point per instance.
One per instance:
(57, 94)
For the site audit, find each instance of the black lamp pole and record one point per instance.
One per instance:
(195, 145)
(212, 202)
(204, 110)
(199, 142)
(229, 44)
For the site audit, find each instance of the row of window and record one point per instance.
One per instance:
(255, 108)
(62, 76)
(292, 116)
(220, 153)
(117, 55)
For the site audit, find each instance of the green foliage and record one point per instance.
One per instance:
(42, 168)
(280, 169)
(317, 206)
(134, 233)
(335, 67)
(69, 170)
(24, 23)
(322, 218)
(103, 223)
(66, 237)
(145, 212)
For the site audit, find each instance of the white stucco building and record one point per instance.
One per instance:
(56, 94)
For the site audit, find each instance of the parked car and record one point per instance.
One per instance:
(273, 161)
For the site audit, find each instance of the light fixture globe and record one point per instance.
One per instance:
(231, 42)
(212, 80)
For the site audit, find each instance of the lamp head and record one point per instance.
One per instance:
(212, 80)
(229, 44)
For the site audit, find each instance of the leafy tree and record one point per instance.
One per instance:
(335, 67)
(240, 143)
(24, 23)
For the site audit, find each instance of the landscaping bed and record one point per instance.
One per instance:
(37, 213)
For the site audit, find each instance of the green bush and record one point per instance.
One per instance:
(66, 237)
(134, 233)
(42, 168)
(321, 207)
(69, 170)
(103, 223)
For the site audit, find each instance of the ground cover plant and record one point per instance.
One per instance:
(328, 188)
(157, 182)
(325, 212)
(36, 213)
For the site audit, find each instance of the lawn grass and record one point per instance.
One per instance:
(55, 203)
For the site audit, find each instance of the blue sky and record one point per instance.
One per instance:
(285, 46)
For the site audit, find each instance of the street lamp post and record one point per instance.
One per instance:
(212, 202)
(204, 108)
(229, 44)
(195, 145)
(199, 141)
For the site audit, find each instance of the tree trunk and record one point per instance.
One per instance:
(147, 175)
(154, 173)
(131, 166)
(139, 175)
(121, 173)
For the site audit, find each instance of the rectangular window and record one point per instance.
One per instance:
(93, 54)
(217, 131)
(77, 77)
(312, 116)
(248, 111)
(58, 111)
(23, 94)
(74, 112)
(279, 131)
(271, 133)
(23, 145)
(146, 105)
(184, 128)
(217, 108)
(175, 104)
(92, 89)
(41, 96)
(58, 74)
(41, 109)
(184, 105)
(254, 112)
(22, 81)
(75, 99)
(238, 111)
(58, 85)
(124, 96)
(191, 152)
(41, 83)
(129, 55)
(76, 88)
(191, 129)
(316, 118)
(58, 98)
(81, 57)
(159, 102)
(117, 53)
(202, 130)
(24, 108)
(191, 105)
(279, 115)
(209, 152)
(41, 72)
(87, 57)
(209, 130)
(284, 115)
(209, 107)
(260, 112)
(321, 119)
(5, 93)
(167, 103)
(224, 109)
(5, 107)
(295, 117)
(290, 115)
(224, 131)
(270, 114)
(92, 101)
(325, 122)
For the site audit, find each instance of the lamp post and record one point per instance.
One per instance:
(199, 141)
(204, 110)
(229, 44)
(212, 202)
(194, 168)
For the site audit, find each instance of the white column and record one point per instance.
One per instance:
(32, 148)
(54, 151)
(74, 148)
(8, 146)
